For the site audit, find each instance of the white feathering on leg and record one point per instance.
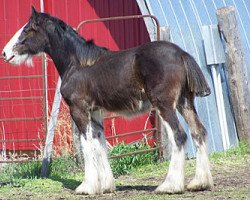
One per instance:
(98, 174)
(174, 182)
(91, 184)
(203, 177)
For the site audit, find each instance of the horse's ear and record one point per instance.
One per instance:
(34, 12)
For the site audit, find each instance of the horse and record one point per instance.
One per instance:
(96, 80)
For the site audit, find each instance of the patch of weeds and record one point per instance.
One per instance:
(234, 155)
(124, 165)
(12, 174)
(66, 171)
(242, 149)
(63, 167)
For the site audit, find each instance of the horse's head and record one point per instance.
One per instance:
(30, 40)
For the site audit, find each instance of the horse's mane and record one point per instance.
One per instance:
(86, 51)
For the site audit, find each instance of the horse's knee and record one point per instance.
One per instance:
(199, 135)
(180, 138)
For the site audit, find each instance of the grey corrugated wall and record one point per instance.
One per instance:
(185, 19)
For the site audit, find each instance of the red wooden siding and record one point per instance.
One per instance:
(114, 35)
(20, 118)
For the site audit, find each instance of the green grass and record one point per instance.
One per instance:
(124, 165)
(22, 181)
(242, 149)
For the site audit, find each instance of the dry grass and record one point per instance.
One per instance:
(63, 144)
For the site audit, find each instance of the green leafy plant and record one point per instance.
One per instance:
(123, 165)
(64, 166)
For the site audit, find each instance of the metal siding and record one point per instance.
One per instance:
(185, 19)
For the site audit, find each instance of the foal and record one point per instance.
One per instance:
(94, 79)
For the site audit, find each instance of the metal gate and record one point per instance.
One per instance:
(156, 129)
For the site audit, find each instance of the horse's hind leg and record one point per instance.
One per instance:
(203, 178)
(174, 182)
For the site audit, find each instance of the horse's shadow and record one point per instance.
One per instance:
(72, 184)
(148, 188)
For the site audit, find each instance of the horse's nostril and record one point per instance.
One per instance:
(3, 54)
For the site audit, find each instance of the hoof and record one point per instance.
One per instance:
(87, 189)
(167, 188)
(196, 185)
(110, 189)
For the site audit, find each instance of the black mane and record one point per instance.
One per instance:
(85, 52)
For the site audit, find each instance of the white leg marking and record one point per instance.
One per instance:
(91, 184)
(98, 173)
(106, 175)
(174, 182)
(203, 178)
(11, 56)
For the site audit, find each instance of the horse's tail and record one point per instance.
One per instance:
(195, 78)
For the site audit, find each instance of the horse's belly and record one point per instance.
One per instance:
(142, 107)
(132, 109)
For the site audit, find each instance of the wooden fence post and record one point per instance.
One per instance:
(47, 154)
(236, 70)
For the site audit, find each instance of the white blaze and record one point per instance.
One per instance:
(12, 56)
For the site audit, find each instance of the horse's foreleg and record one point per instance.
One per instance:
(104, 170)
(174, 182)
(98, 175)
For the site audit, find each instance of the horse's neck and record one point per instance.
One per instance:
(73, 51)
(90, 54)
(60, 55)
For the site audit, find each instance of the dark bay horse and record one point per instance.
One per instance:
(95, 79)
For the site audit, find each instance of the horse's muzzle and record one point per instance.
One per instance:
(5, 57)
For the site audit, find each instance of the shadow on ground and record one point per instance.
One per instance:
(148, 188)
(67, 183)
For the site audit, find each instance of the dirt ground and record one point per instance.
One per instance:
(231, 182)
(231, 178)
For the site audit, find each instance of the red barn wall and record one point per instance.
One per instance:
(115, 35)
(21, 98)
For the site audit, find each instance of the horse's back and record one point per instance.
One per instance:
(163, 62)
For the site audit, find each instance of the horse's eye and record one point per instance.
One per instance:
(22, 40)
(26, 30)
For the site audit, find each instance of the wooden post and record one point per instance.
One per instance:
(47, 154)
(236, 70)
(148, 21)
(165, 33)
